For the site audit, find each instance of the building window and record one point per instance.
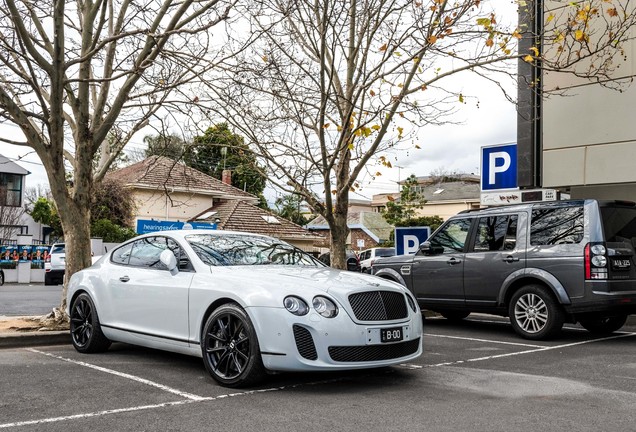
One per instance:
(10, 190)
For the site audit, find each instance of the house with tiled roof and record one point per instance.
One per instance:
(366, 230)
(240, 215)
(445, 196)
(168, 190)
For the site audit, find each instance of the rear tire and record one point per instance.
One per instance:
(535, 313)
(86, 332)
(604, 325)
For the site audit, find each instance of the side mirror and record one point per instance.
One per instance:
(425, 248)
(170, 261)
(352, 264)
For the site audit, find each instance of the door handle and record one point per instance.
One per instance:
(124, 278)
(510, 259)
(453, 261)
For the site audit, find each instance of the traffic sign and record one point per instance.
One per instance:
(408, 239)
(499, 167)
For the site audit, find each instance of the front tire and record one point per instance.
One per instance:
(604, 325)
(231, 353)
(535, 313)
(454, 316)
(1, 278)
(86, 332)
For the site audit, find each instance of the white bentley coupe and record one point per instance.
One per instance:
(246, 303)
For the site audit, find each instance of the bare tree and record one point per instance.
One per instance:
(333, 85)
(79, 79)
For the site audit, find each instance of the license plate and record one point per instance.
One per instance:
(621, 264)
(393, 334)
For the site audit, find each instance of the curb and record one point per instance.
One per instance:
(26, 339)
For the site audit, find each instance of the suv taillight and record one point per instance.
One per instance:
(595, 261)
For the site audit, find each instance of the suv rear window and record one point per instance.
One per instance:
(57, 248)
(384, 252)
(556, 225)
(619, 224)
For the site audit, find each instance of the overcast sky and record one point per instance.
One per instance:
(453, 147)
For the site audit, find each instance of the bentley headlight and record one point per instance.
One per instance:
(325, 307)
(296, 305)
(411, 302)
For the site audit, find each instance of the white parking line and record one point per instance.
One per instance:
(484, 340)
(531, 351)
(123, 375)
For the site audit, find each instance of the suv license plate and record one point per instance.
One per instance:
(393, 334)
(621, 264)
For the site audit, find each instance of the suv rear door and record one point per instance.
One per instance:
(497, 250)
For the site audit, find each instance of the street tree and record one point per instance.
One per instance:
(332, 87)
(399, 212)
(79, 79)
(289, 207)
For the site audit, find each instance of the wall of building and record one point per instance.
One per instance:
(178, 206)
(589, 133)
(445, 210)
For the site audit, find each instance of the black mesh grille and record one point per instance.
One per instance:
(378, 305)
(305, 343)
(373, 352)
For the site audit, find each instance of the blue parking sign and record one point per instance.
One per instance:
(408, 239)
(499, 167)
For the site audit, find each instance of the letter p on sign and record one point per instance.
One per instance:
(499, 163)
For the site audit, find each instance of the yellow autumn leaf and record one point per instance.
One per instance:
(579, 35)
(612, 12)
(550, 18)
(383, 47)
(516, 34)
(375, 127)
(535, 51)
(400, 131)
(461, 98)
(378, 174)
(432, 39)
(528, 58)
(489, 42)
(417, 146)
(388, 165)
(265, 58)
(371, 92)
(326, 125)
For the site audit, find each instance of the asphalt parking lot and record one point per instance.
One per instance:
(476, 375)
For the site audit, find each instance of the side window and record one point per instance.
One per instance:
(496, 233)
(556, 225)
(122, 255)
(146, 252)
(366, 255)
(182, 258)
(452, 237)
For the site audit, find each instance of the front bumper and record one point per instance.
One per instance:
(312, 342)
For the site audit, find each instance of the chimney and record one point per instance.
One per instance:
(226, 176)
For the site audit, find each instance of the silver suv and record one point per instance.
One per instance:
(541, 264)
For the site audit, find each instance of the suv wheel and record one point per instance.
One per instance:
(535, 314)
(604, 325)
(454, 315)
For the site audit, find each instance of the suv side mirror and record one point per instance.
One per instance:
(352, 264)
(427, 249)
(170, 261)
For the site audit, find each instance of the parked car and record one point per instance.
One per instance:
(541, 264)
(54, 265)
(353, 262)
(368, 256)
(246, 303)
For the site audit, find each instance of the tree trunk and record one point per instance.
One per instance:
(77, 239)
(339, 232)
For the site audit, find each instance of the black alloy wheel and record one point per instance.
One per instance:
(231, 353)
(86, 332)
